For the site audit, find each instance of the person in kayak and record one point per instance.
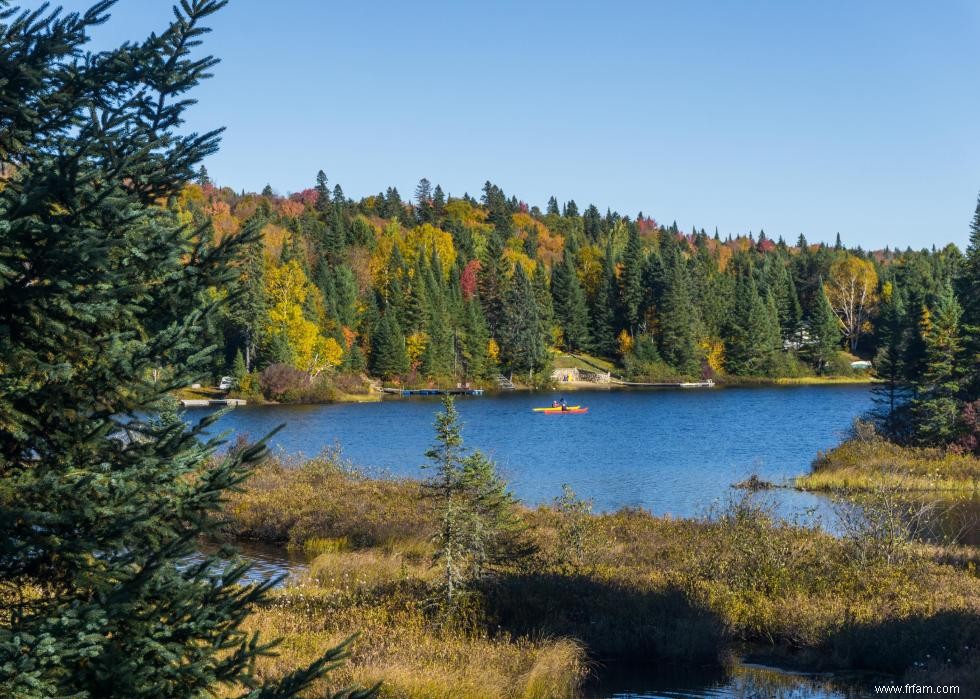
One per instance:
(564, 405)
(555, 404)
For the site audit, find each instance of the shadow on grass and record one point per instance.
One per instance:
(614, 622)
(897, 645)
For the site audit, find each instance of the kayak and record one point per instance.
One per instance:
(558, 411)
(551, 407)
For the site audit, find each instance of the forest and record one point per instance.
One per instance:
(441, 288)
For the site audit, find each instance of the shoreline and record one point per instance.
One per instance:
(625, 587)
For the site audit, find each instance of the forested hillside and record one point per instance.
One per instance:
(438, 287)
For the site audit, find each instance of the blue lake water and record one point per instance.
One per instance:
(670, 451)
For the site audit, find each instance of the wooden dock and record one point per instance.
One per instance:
(211, 402)
(407, 392)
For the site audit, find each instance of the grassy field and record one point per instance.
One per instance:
(869, 462)
(620, 586)
(581, 361)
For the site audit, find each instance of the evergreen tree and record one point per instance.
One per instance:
(748, 336)
(823, 332)
(389, 358)
(677, 319)
(569, 303)
(102, 288)
(475, 338)
(632, 280)
(492, 282)
(592, 223)
(438, 205)
(969, 293)
(522, 338)
(478, 522)
(552, 209)
(238, 370)
(322, 193)
(936, 408)
(439, 354)
(542, 294)
(890, 394)
(602, 329)
(423, 202)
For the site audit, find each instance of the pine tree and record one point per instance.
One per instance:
(475, 337)
(552, 209)
(748, 336)
(522, 337)
(890, 394)
(602, 329)
(542, 294)
(823, 329)
(103, 495)
(478, 521)
(969, 293)
(322, 193)
(389, 357)
(492, 282)
(423, 201)
(238, 370)
(677, 319)
(632, 280)
(936, 408)
(438, 205)
(569, 303)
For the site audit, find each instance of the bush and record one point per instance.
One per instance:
(277, 380)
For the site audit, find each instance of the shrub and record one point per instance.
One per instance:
(277, 380)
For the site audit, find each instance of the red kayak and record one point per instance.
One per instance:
(559, 411)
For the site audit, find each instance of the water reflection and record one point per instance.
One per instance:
(742, 681)
(266, 561)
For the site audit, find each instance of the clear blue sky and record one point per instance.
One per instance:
(816, 117)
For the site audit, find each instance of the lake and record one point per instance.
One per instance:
(670, 451)
(673, 452)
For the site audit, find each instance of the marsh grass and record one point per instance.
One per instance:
(636, 587)
(867, 462)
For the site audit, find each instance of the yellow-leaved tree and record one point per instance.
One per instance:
(288, 290)
(852, 289)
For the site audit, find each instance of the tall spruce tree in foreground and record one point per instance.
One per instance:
(102, 299)
(479, 525)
